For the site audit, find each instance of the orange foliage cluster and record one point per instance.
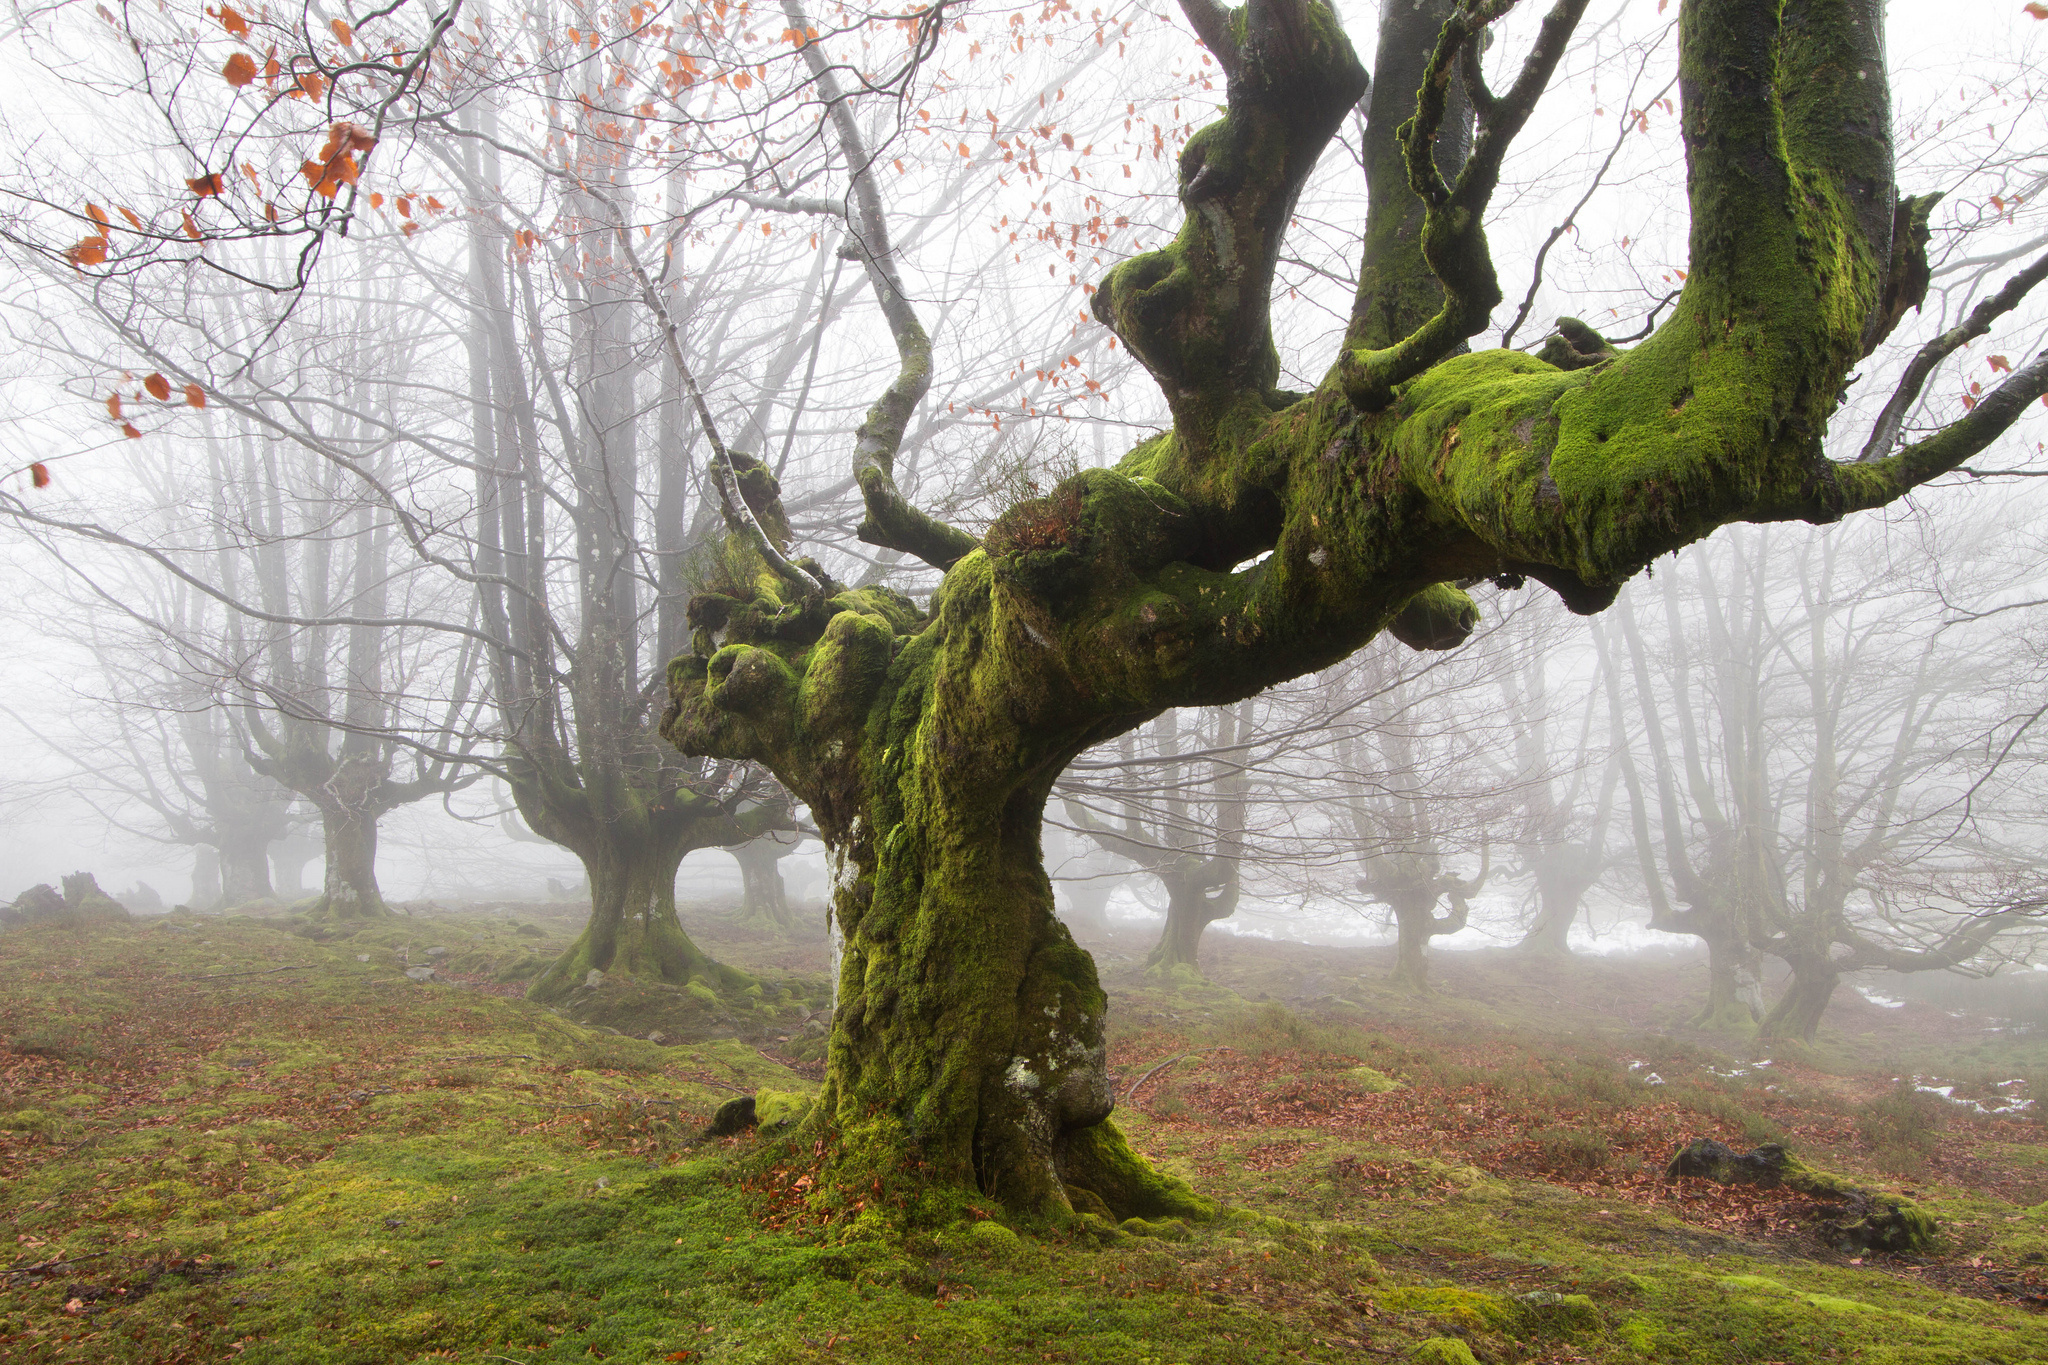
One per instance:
(335, 163)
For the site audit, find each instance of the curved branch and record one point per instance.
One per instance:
(1884, 436)
(1211, 23)
(891, 521)
(1453, 234)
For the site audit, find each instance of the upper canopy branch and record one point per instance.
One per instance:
(1197, 312)
(1453, 231)
(891, 521)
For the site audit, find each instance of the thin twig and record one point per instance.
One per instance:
(1167, 1063)
(45, 1267)
(222, 976)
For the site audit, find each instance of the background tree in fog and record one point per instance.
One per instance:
(1831, 803)
(1178, 813)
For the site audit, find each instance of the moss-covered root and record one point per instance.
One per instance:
(1442, 1351)
(1105, 1177)
(1862, 1219)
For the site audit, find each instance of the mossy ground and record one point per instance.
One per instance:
(334, 1163)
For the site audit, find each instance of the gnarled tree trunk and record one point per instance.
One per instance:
(1193, 903)
(633, 930)
(968, 1037)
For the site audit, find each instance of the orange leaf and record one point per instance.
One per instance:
(191, 228)
(133, 221)
(129, 430)
(233, 22)
(39, 474)
(98, 215)
(2000, 365)
(358, 139)
(404, 205)
(195, 397)
(88, 251)
(270, 211)
(240, 70)
(114, 406)
(158, 386)
(310, 86)
(343, 32)
(434, 205)
(206, 185)
(2038, 11)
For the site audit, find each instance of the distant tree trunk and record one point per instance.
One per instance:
(633, 929)
(1088, 905)
(764, 900)
(1797, 1013)
(1416, 922)
(1734, 983)
(349, 889)
(288, 859)
(244, 866)
(1557, 906)
(1193, 903)
(205, 879)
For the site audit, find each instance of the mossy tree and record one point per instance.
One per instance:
(968, 1035)
(1187, 829)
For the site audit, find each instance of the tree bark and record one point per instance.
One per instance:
(633, 929)
(349, 889)
(764, 900)
(244, 867)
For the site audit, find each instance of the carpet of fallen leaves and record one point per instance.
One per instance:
(1487, 1115)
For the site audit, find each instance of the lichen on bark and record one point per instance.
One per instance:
(968, 1037)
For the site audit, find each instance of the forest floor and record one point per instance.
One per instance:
(223, 1141)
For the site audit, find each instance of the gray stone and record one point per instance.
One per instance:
(420, 973)
(593, 979)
